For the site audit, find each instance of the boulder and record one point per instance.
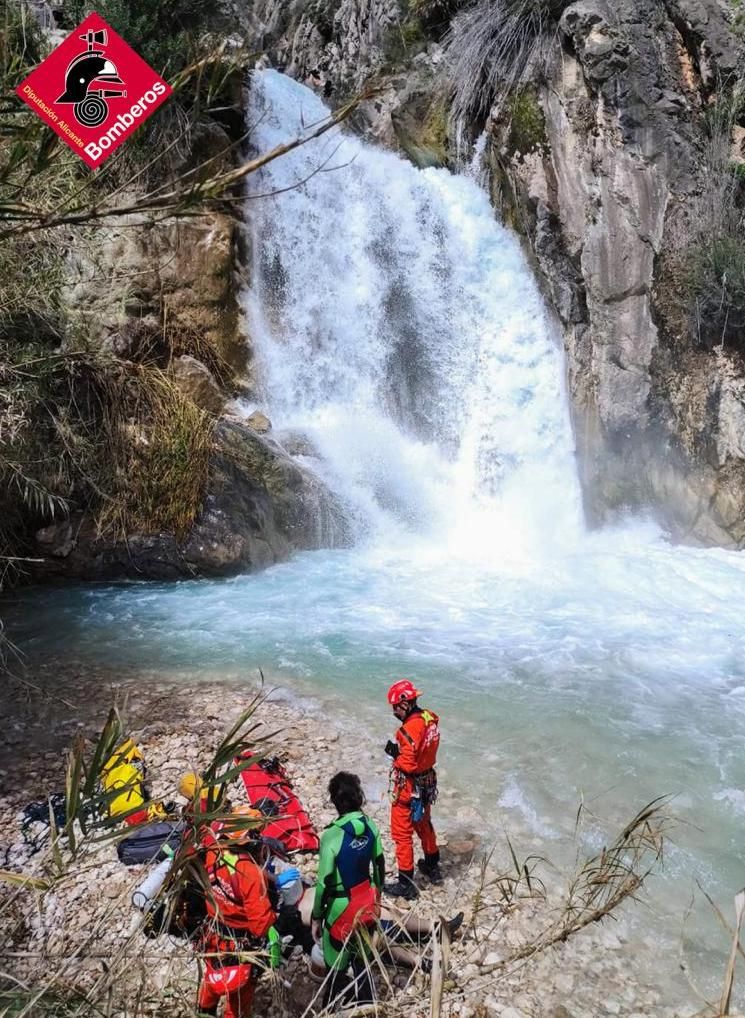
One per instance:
(259, 508)
(57, 539)
(259, 422)
(296, 443)
(197, 383)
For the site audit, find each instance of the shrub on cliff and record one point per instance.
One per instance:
(164, 32)
(527, 122)
(717, 270)
(715, 255)
(82, 430)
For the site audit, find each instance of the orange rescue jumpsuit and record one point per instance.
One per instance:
(240, 903)
(418, 739)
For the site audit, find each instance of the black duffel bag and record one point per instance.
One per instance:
(146, 843)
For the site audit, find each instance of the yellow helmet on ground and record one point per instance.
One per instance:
(189, 784)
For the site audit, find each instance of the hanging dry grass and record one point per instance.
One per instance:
(115, 439)
(492, 45)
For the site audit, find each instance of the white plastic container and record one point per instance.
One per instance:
(316, 964)
(144, 896)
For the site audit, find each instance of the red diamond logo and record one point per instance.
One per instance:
(94, 90)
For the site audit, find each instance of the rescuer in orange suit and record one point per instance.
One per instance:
(413, 788)
(240, 914)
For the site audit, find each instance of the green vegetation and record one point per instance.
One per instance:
(716, 267)
(722, 115)
(166, 33)
(714, 258)
(738, 16)
(82, 429)
(404, 39)
(435, 15)
(527, 123)
(435, 8)
(435, 131)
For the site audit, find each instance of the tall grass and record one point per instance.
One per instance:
(159, 442)
(82, 430)
(492, 46)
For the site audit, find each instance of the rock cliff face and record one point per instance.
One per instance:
(605, 202)
(604, 193)
(336, 45)
(168, 295)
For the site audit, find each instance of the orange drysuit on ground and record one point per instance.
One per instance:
(240, 905)
(418, 739)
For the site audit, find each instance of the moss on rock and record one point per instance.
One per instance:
(527, 122)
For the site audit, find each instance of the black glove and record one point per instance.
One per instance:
(392, 748)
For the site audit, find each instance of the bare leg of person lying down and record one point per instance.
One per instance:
(401, 934)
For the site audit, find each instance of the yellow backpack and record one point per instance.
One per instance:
(124, 769)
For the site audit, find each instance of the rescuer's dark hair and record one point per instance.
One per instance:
(346, 792)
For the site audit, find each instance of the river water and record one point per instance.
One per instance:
(397, 326)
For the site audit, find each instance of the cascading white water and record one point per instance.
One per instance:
(397, 324)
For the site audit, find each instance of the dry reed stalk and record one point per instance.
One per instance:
(603, 882)
(440, 965)
(729, 976)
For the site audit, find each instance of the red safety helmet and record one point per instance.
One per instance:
(404, 689)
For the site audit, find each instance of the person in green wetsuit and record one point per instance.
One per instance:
(351, 873)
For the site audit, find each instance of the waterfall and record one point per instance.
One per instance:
(397, 325)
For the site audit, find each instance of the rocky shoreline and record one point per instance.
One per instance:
(84, 932)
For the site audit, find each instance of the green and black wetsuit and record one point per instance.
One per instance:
(351, 872)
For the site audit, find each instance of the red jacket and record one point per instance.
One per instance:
(418, 739)
(239, 893)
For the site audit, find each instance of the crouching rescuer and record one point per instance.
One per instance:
(413, 788)
(240, 917)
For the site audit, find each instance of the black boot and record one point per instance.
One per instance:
(404, 887)
(429, 866)
(337, 992)
(364, 988)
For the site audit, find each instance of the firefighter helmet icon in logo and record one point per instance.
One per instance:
(86, 80)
